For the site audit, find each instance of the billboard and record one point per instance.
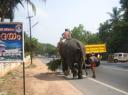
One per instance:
(95, 48)
(11, 42)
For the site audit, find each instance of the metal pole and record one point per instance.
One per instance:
(29, 17)
(23, 78)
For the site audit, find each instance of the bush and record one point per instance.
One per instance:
(54, 64)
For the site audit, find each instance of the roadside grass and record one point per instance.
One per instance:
(11, 83)
(30, 66)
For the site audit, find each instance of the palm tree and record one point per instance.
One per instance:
(124, 5)
(7, 8)
(115, 15)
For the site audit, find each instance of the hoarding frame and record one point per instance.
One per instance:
(22, 41)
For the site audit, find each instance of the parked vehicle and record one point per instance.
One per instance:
(122, 57)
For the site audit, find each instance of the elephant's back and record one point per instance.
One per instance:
(72, 46)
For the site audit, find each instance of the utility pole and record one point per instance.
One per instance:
(29, 18)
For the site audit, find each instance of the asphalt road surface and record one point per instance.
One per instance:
(111, 79)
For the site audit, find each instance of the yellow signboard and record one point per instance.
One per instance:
(95, 48)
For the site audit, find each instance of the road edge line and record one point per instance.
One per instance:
(109, 86)
(116, 68)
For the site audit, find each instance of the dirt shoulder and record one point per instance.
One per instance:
(39, 81)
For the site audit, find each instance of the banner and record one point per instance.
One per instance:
(11, 42)
(95, 48)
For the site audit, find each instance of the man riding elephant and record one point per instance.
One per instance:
(72, 53)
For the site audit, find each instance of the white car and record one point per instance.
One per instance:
(122, 57)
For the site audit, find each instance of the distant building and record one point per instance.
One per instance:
(12, 52)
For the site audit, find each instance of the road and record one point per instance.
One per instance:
(111, 79)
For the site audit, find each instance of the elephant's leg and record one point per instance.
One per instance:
(65, 68)
(67, 71)
(73, 70)
(80, 73)
(63, 65)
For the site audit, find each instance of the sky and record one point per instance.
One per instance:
(54, 16)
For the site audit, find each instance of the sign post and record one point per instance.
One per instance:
(12, 44)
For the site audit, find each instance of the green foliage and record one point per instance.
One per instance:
(27, 42)
(54, 64)
(34, 44)
(105, 31)
(79, 33)
(119, 40)
(49, 49)
(85, 36)
(37, 47)
(114, 31)
(115, 15)
(7, 8)
(94, 39)
(124, 5)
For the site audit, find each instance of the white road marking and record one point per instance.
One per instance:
(109, 86)
(114, 68)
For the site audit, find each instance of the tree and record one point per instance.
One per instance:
(105, 31)
(34, 44)
(7, 8)
(79, 33)
(49, 49)
(85, 36)
(124, 5)
(94, 39)
(114, 31)
(27, 43)
(40, 48)
(119, 40)
(37, 47)
(115, 15)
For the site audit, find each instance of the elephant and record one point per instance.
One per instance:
(72, 53)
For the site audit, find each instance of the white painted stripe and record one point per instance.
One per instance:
(114, 68)
(109, 86)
